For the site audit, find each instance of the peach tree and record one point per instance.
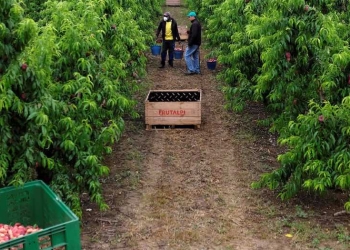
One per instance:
(235, 49)
(67, 77)
(292, 56)
(203, 8)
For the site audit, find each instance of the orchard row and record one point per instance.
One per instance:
(293, 56)
(68, 71)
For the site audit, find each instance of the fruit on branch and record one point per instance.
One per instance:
(23, 96)
(288, 56)
(321, 118)
(24, 66)
(306, 8)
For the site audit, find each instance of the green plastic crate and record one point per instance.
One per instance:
(36, 204)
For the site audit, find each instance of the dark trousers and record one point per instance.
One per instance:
(168, 45)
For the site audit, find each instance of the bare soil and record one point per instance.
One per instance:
(190, 188)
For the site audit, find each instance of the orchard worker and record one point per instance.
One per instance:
(170, 34)
(194, 41)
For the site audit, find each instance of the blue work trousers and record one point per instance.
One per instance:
(192, 59)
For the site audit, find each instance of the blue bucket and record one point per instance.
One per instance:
(211, 65)
(155, 49)
(178, 54)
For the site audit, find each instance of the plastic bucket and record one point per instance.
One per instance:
(178, 54)
(211, 65)
(155, 49)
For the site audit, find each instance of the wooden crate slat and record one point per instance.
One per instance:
(189, 120)
(173, 105)
(173, 3)
(173, 113)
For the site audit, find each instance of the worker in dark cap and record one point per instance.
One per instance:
(170, 34)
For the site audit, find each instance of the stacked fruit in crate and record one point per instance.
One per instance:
(8, 232)
(33, 217)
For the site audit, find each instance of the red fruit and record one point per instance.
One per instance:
(321, 118)
(295, 101)
(24, 66)
(23, 96)
(307, 7)
(288, 56)
(348, 79)
(22, 230)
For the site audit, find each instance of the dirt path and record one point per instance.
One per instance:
(189, 189)
(193, 191)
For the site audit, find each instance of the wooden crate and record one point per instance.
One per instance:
(183, 32)
(173, 108)
(173, 3)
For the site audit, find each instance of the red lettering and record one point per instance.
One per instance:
(167, 112)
